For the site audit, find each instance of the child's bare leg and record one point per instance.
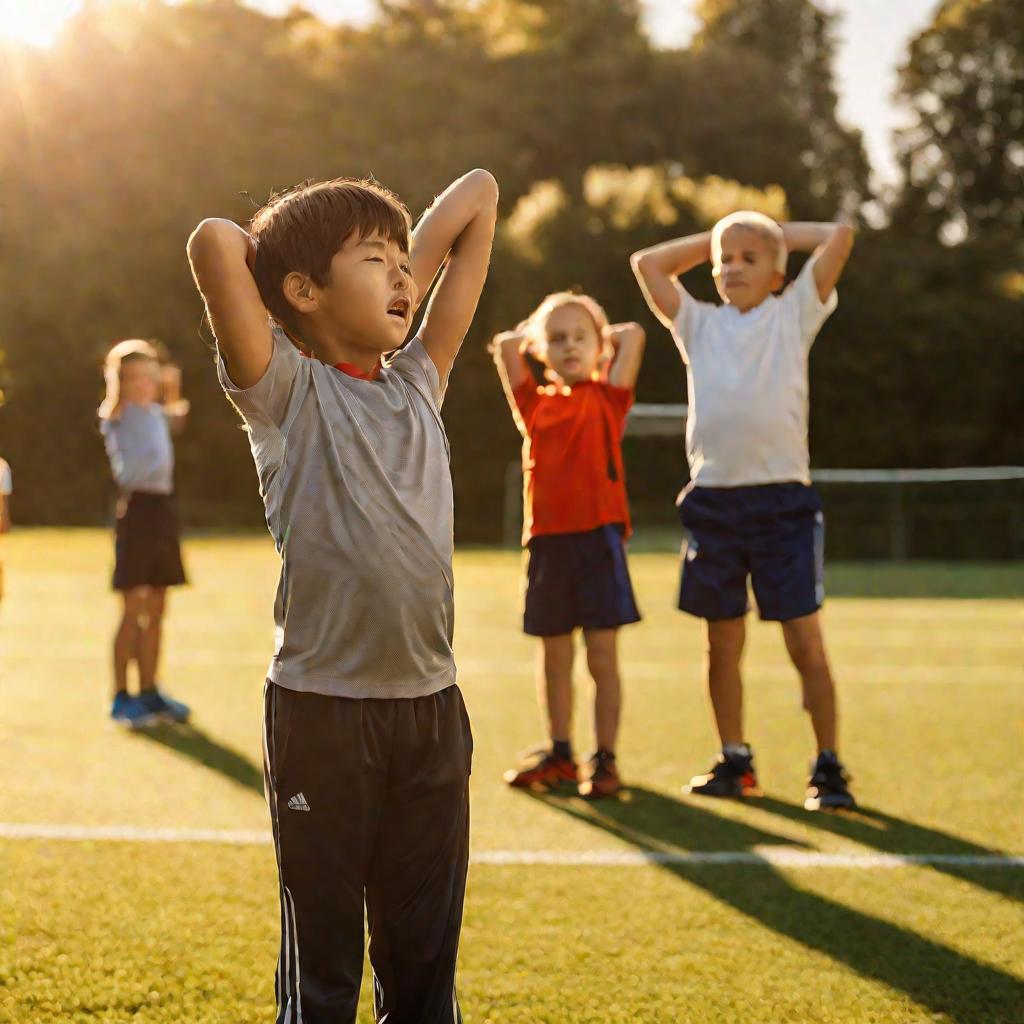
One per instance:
(603, 662)
(126, 638)
(806, 648)
(554, 684)
(725, 650)
(150, 635)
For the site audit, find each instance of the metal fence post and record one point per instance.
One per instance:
(897, 522)
(512, 513)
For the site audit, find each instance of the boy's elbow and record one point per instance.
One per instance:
(210, 232)
(640, 261)
(201, 236)
(487, 184)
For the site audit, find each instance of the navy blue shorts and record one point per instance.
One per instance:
(578, 581)
(773, 533)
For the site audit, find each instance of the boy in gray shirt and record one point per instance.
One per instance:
(750, 510)
(367, 744)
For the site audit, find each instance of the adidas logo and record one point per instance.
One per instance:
(298, 803)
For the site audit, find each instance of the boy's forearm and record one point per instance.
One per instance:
(806, 236)
(657, 268)
(675, 257)
(468, 201)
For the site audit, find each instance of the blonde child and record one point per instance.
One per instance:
(750, 509)
(576, 519)
(142, 406)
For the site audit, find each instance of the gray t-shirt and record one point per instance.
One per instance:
(747, 380)
(140, 449)
(355, 479)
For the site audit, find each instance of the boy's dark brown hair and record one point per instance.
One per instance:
(302, 228)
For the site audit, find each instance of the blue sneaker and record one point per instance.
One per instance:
(131, 712)
(162, 706)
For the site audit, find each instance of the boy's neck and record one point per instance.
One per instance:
(338, 352)
(749, 309)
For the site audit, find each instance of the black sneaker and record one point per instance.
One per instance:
(603, 779)
(827, 788)
(731, 775)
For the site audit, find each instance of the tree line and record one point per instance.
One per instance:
(144, 118)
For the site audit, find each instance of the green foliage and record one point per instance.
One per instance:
(147, 117)
(796, 40)
(963, 82)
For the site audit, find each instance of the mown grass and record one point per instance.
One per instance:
(932, 688)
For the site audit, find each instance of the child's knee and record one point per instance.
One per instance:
(806, 648)
(603, 663)
(725, 637)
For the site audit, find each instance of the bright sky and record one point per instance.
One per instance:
(873, 36)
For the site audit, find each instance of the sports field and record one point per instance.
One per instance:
(565, 922)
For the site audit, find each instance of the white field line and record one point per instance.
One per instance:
(763, 856)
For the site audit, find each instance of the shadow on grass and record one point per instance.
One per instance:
(194, 743)
(932, 975)
(887, 834)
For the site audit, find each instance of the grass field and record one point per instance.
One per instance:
(929, 661)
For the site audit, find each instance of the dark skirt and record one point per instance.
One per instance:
(147, 542)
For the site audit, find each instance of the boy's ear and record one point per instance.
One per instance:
(300, 292)
(778, 280)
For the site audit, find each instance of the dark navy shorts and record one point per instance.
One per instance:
(773, 533)
(578, 581)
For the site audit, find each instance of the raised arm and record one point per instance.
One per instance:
(456, 231)
(175, 407)
(509, 351)
(628, 341)
(220, 253)
(656, 269)
(831, 245)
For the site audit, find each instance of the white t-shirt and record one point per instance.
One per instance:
(747, 379)
(5, 478)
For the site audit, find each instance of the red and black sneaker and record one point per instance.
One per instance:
(603, 778)
(543, 770)
(732, 775)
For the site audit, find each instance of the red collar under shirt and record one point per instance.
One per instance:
(573, 476)
(347, 368)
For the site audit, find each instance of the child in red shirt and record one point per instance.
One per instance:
(576, 517)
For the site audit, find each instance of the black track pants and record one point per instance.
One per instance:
(369, 801)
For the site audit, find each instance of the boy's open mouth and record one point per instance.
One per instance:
(399, 308)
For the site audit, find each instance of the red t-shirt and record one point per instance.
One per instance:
(573, 477)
